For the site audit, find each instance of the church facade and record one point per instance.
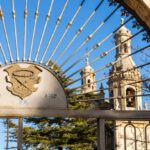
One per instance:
(123, 84)
(124, 88)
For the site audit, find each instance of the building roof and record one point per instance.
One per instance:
(87, 67)
(123, 30)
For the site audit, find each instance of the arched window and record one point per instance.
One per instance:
(89, 81)
(125, 48)
(117, 50)
(82, 82)
(111, 93)
(111, 97)
(130, 97)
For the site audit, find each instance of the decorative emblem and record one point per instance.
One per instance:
(23, 80)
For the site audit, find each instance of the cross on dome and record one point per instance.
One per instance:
(122, 21)
(87, 61)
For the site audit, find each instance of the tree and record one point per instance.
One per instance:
(146, 76)
(58, 133)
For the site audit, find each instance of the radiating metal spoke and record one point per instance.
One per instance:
(108, 77)
(6, 62)
(14, 21)
(102, 41)
(109, 88)
(57, 23)
(2, 17)
(46, 21)
(68, 27)
(87, 39)
(104, 54)
(78, 32)
(40, 54)
(36, 16)
(25, 28)
(98, 99)
(108, 65)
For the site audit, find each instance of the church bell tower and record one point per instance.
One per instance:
(88, 78)
(123, 84)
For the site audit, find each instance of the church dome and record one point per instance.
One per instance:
(87, 67)
(123, 30)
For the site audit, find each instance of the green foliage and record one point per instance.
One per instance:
(136, 24)
(59, 133)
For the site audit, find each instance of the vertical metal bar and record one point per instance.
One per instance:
(125, 145)
(25, 28)
(7, 140)
(20, 128)
(135, 141)
(35, 21)
(135, 137)
(146, 135)
(114, 136)
(77, 33)
(48, 44)
(101, 134)
(68, 27)
(43, 32)
(14, 21)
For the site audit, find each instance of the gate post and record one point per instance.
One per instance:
(101, 134)
(20, 128)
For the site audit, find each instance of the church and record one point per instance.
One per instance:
(123, 88)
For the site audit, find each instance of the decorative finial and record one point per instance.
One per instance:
(87, 61)
(145, 106)
(101, 86)
(122, 21)
(102, 91)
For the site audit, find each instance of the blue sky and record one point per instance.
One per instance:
(83, 14)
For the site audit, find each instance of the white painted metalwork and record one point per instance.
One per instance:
(68, 27)
(141, 81)
(106, 66)
(101, 56)
(46, 21)
(4, 27)
(6, 62)
(57, 23)
(25, 27)
(29, 81)
(88, 38)
(108, 77)
(37, 89)
(35, 21)
(14, 16)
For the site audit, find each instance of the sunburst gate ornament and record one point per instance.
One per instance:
(29, 45)
(26, 86)
(23, 80)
